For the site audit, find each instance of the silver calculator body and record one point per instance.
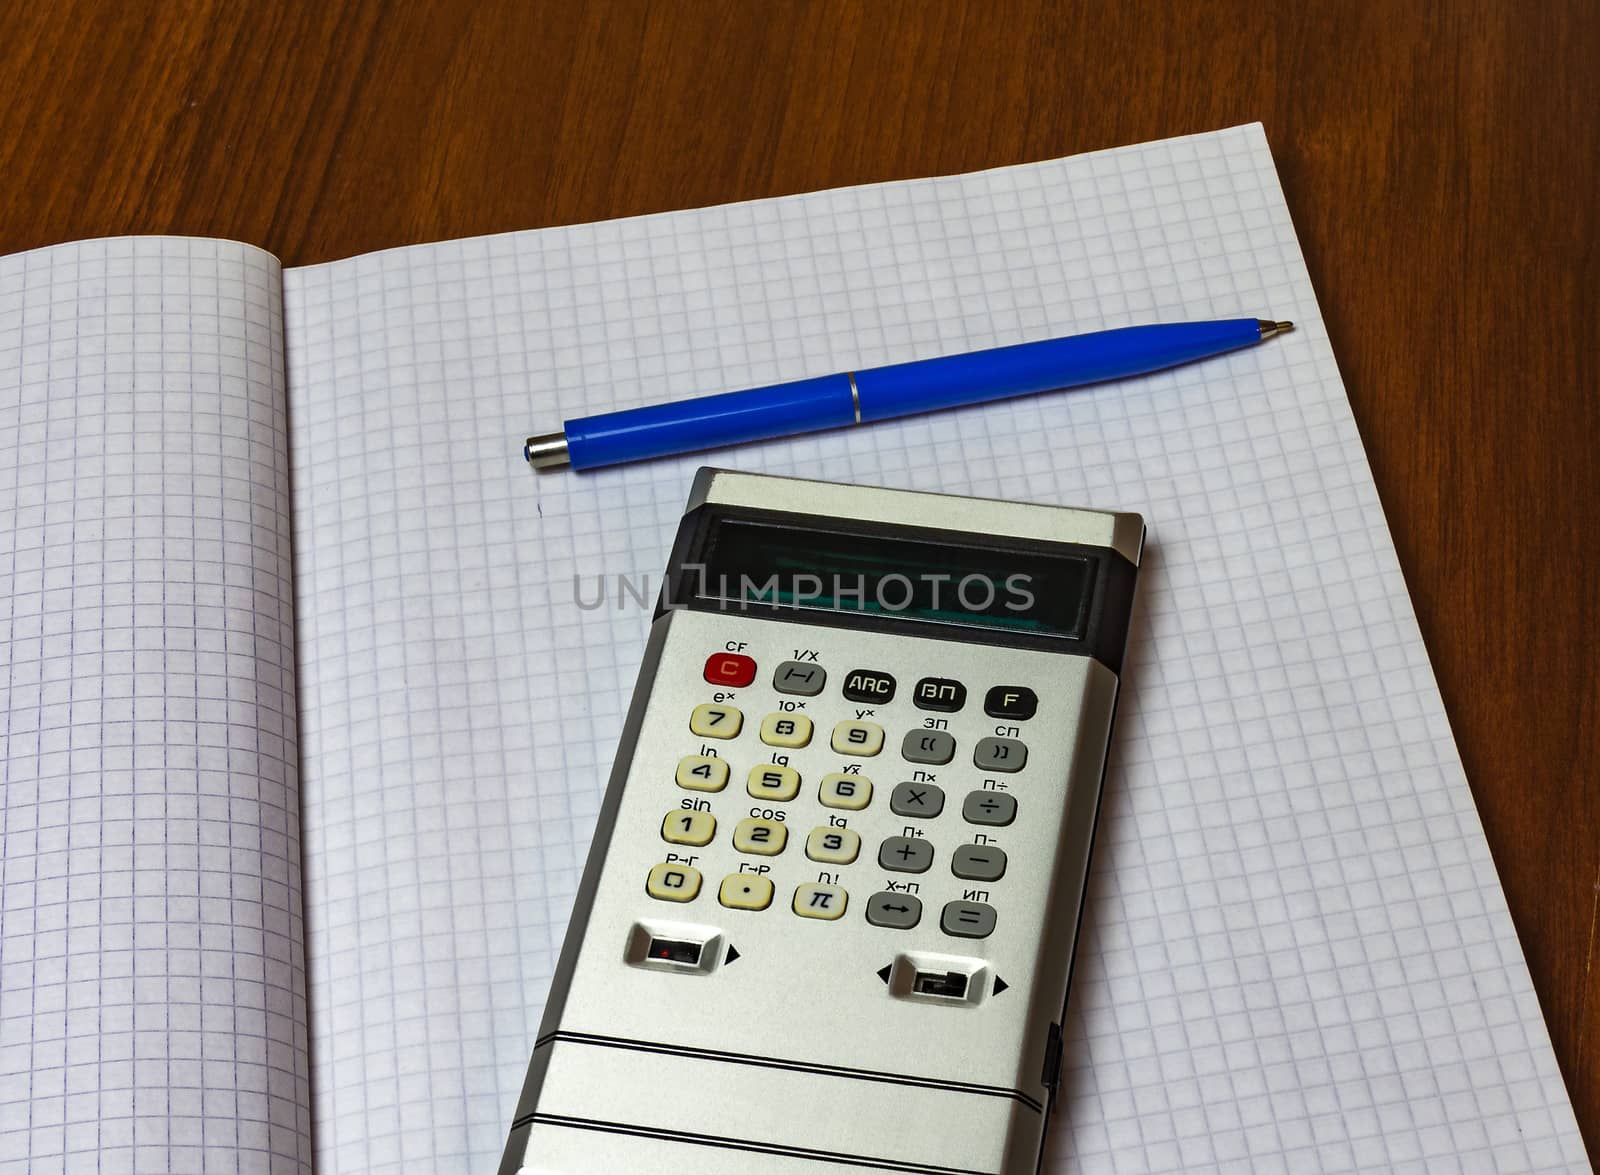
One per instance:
(827, 922)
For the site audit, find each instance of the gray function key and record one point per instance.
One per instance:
(989, 807)
(999, 754)
(916, 799)
(967, 919)
(906, 854)
(979, 863)
(804, 678)
(897, 911)
(928, 746)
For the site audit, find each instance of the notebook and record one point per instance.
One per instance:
(308, 704)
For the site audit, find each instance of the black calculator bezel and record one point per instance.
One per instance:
(1103, 636)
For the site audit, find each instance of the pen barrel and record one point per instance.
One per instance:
(927, 385)
(709, 422)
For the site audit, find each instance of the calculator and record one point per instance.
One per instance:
(827, 922)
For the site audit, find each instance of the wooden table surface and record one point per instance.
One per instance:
(1440, 162)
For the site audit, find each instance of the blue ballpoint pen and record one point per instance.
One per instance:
(881, 393)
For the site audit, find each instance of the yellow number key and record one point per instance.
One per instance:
(786, 730)
(820, 901)
(745, 891)
(755, 835)
(834, 846)
(770, 782)
(712, 721)
(702, 773)
(683, 827)
(671, 882)
(845, 791)
(858, 738)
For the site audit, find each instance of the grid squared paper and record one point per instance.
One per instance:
(1297, 956)
(152, 980)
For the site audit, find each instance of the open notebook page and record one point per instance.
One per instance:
(1296, 956)
(152, 997)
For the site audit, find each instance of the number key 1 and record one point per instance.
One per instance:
(683, 827)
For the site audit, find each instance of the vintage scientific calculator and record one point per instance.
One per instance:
(828, 919)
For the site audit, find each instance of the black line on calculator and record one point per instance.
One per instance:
(650, 1046)
(740, 1144)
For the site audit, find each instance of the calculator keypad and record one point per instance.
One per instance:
(777, 779)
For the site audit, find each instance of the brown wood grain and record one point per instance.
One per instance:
(1440, 161)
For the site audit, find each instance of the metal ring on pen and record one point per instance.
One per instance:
(855, 394)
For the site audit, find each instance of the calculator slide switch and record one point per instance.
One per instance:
(675, 950)
(938, 979)
(949, 985)
(679, 947)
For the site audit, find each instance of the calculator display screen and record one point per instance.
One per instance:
(761, 564)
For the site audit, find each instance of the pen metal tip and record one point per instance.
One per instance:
(1269, 328)
(548, 451)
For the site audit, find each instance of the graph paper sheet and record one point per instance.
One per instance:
(1296, 955)
(152, 980)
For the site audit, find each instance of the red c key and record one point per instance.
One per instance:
(730, 669)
